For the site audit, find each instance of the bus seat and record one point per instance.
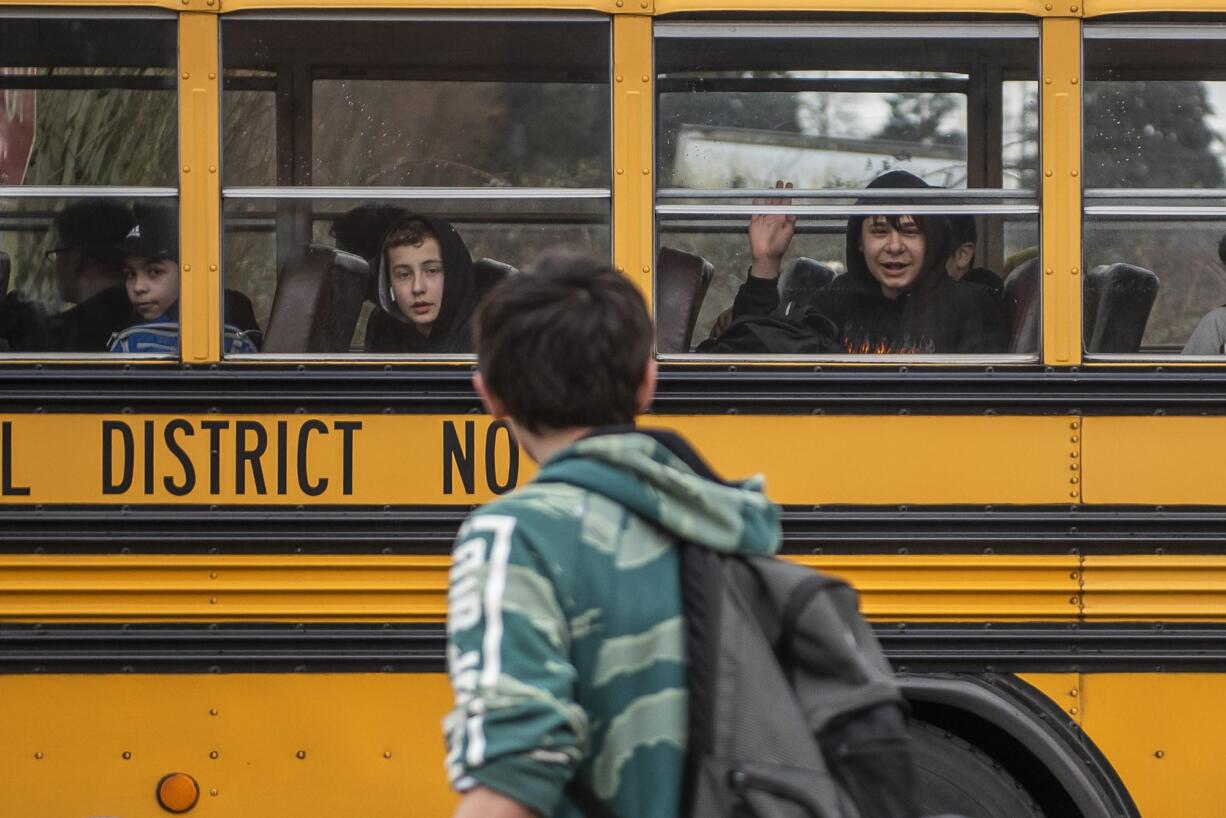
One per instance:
(1023, 306)
(317, 303)
(487, 273)
(1119, 298)
(681, 284)
(802, 280)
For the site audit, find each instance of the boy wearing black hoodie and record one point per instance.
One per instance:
(896, 296)
(426, 289)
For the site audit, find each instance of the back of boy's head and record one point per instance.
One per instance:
(962, 230)
(565, 344)
(96, 227)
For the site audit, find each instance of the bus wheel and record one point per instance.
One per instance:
(956, 778)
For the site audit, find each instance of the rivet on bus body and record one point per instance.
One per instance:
(1047, 80)
(1073, 425)
(213, 754)
(1048, 6)
(1049, 271)
(213, 791)
(38, 756)
(1074, 439)
(1074, 271)
(646, 78)
(1073, 453)
(620, 171)
(646, 268)
(212, 600)
(643, 4)
(212, 268)
(1158, 754)
(209, 2)
(1073, 494)
(1074, 480)
(1072, 711)
(1073, 692)
(186, 76)
(1072, 575)
(187, 168)
(1072, 80)
(387, 753)
(212, 75)
(187, 268)
(1047, 173)
(301, 754)
(646, 171)
(126, 755)
(1073, 9)
(619, 3)
(620, 78)
(212, 575)
(1074, 467)
(1073, 173)
(212, 168)
(1072, 600)
(212, 711)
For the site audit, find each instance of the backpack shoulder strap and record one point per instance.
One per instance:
(583, 797)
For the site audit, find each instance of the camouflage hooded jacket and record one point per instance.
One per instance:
(564, 623)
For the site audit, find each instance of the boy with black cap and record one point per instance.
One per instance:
(151, 278)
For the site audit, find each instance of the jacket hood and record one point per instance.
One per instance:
(657, 476)
(936, 232)
(459, 287)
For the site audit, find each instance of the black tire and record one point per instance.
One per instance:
(954, 777)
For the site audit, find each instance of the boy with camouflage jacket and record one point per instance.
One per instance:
(565, 637)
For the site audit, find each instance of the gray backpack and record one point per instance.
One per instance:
(794, 711)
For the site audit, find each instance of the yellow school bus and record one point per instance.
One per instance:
(224, 553)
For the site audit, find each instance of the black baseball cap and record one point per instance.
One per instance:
(155, 235)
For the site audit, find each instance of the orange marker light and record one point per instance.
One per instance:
(178, 792)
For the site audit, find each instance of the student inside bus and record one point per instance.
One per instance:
(426, 290)
(896, 296)
(151, 281)
(88, 265)
(965, 237)
(1209, 337)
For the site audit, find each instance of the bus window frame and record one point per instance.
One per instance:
(300, 123)
(1116, 31)
(136, 11)
(871, 29)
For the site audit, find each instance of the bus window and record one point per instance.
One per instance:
(1154, 100)
(495, 132)
(934, 122)
(90, 134)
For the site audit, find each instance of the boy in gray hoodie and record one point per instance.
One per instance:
(564, 627)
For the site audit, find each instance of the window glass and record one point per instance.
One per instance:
(934, 128)
(1154, 140)
(481, 141)
(89, 103)
(322, 297)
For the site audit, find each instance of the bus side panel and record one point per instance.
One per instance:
(1163, 733)
(296, 745)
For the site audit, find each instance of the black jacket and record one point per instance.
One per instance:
(937, 315)
(390, 330)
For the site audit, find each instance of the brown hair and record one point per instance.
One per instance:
(565, 344)
(412, 233)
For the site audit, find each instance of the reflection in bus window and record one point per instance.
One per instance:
(831, 108)
(89, 102)
(1154, 138)
(497, 130)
